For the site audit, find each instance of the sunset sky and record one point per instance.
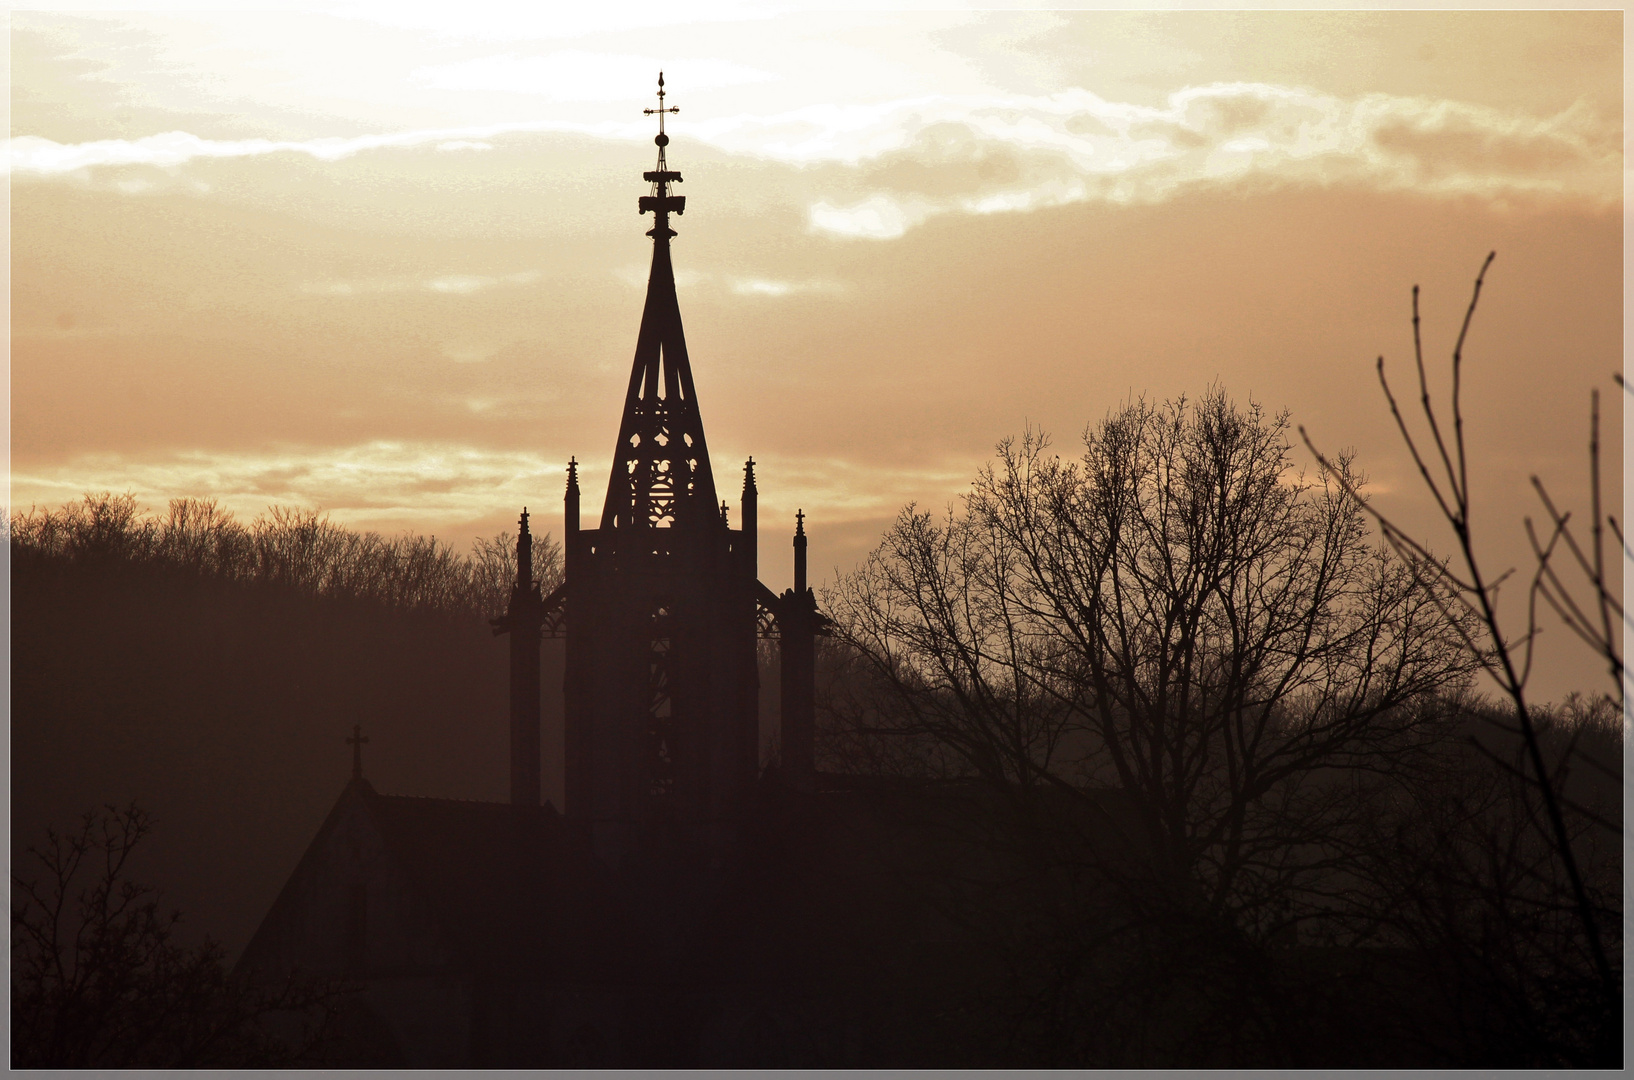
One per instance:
(384, 258)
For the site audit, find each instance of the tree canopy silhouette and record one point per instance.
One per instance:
(296, 548)
(1179, 614)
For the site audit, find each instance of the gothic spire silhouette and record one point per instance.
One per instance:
(523, 620)
(661, 476)
(663, 608)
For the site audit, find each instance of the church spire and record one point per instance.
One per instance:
(661, 475)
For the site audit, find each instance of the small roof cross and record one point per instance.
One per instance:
(356, 743)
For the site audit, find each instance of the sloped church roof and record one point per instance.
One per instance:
(500, 885)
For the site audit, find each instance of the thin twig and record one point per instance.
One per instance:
(1479, 597)
(1457, 379)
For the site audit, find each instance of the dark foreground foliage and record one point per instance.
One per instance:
(98, 981)
(1435, 930)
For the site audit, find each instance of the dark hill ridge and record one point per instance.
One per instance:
(214, 684)
(223, 708)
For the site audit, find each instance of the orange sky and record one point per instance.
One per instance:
(384, 258)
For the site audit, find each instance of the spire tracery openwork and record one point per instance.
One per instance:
(661, 475)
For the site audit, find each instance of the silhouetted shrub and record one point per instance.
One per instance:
(98, 982)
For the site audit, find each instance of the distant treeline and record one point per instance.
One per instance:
(291, 547)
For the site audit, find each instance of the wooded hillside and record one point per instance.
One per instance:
(211, 671)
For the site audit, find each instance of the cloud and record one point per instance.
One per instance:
(849, 490)
(755, 286)
(890, 166)
(1443, 142)
(506, 21)
(635, 276)
(412, 481)
(572, 75)
(470, 283)
(758, 287)
(31, 155)
(970, 156)
(878, 217)
(458, 284)
(419, 482)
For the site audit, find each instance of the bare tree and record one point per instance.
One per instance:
(1548, 829)
(493, 566)
(1180, 616)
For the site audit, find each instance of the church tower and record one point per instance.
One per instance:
(661, 694)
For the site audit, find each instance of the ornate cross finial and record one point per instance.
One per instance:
(661, 202)
(662, 140)
(799, 523)
(356, 743)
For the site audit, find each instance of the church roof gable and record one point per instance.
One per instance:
(502, 884)
(504, 881)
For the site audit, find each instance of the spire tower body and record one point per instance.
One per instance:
(661, 709)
